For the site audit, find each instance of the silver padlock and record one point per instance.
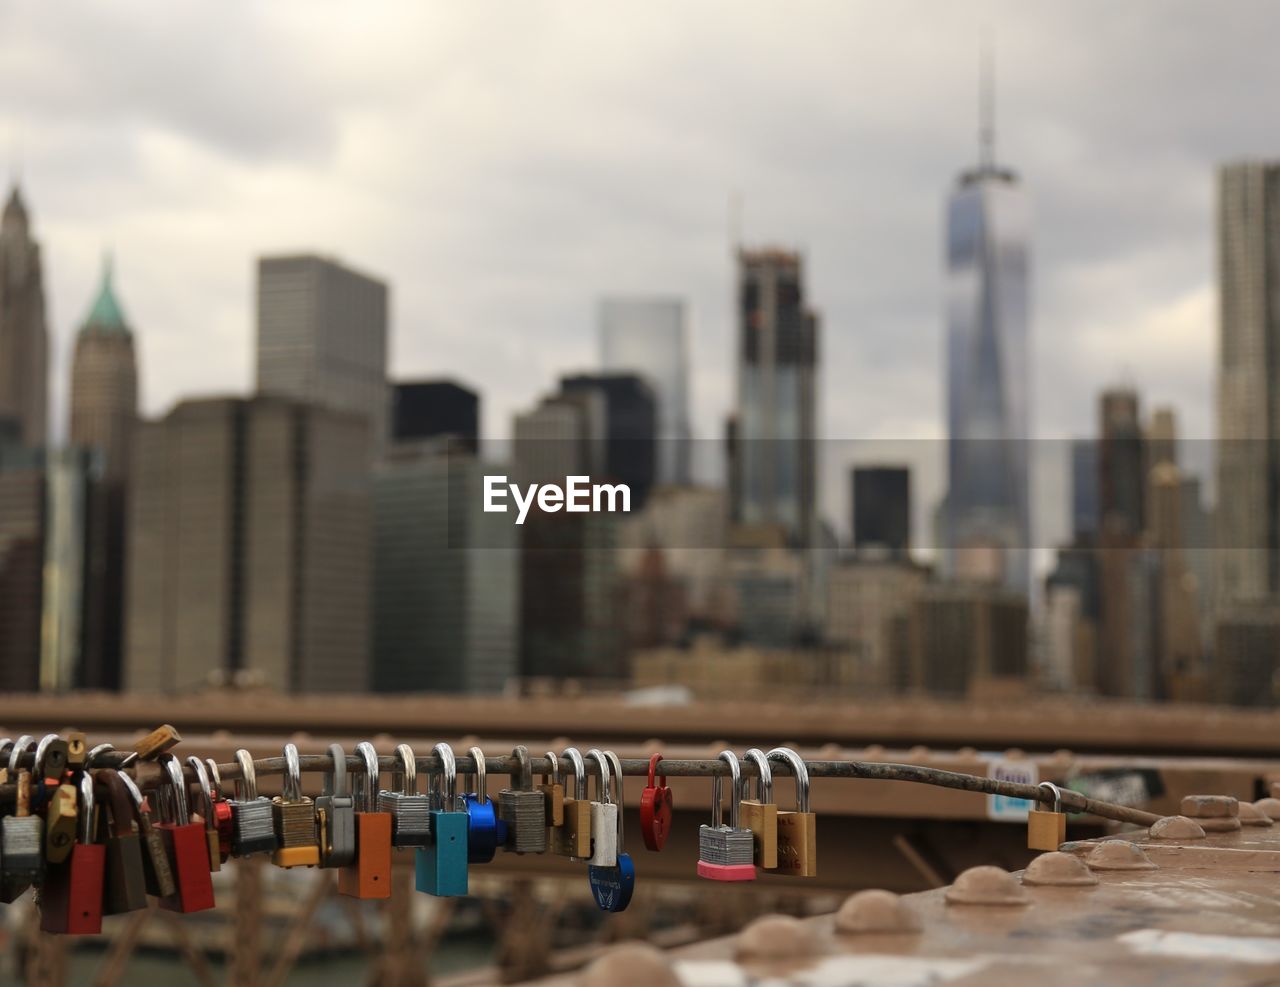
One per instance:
(410, 810)
(604, 816)
(21, 838)
(252, 827)
(523, 808)
(336, 812)
(726, 853)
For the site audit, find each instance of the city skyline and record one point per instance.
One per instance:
(1123, 199)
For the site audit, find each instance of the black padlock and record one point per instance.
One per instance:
(125, 887)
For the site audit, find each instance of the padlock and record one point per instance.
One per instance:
(124, 887)
(369, 875)
(155, 858)
(205, 814)
(612, 887)
(760, 815)
(336, 814)
(656, 808)
(221, 810)
(252, 815)
(6, 745)
(186, 844)
(485, 831)
(50, 764)
(1047, 830)
(441, 868)
(552, 789)
(409, 809)
(604, 816)
(21, 840)
(725, 852)
(573, 838)
(523, 808)
(71, 895)
(797, 831)
(55, 798)
(76, 750)
(294, 817)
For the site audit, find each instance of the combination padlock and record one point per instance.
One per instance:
(552, 790)
(294, 817)
(71, 895)
(252, 816)
(409, 809)
(573, 837)
(523, 808)
(206, 813)
(336, 813)
(124, 886)
(760, 815)
(441, 868)
(186, 844)
(656, 808)
(21, 841)
(1047, 830)
(604, 816)
(485, 831)
(612, 887)
(369, 875)
(797, 831)
(725, 853)
(155, 860)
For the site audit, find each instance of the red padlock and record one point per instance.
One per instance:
(186, 844)
(656, 805)
(221, 811)
(71, 897)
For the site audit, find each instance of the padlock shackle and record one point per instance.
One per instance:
(292, 784)
(404, 777)
(246, 786)
(215, 775)
(522, 777)
(97, 752)
(764, 780)
(735, 791)
(42, 752)
(574, 757)
(448, 776)
(481, 774)
(178, 787)
(86, 808)
(799, 770)
(206, 790)
(1057, 794)
(654, 761)
(335, 778)
(553, 768)
(19, 748)
(616, 764)
(603, 791)
(366, 794)
(120, 802)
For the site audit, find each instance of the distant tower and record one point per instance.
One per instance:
(24, 339)
(988, 418)
(104, 416)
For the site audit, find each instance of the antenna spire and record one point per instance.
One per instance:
(987, 104)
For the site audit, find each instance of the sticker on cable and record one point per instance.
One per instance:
(1002, 808)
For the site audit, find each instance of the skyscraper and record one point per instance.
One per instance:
(322, 337)
(882, 509)
(1122, 479)
(24, 339)
(988, 418)
(1248, 522)
(776, 423)
(647, 336)
(428, 409)
(104, 412)
(630, 428)
(21, 557)
(249, 547)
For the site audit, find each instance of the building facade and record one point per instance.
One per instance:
(881, 514)
(24, 338)
(22, 527)
(630, 428)
(431, 409)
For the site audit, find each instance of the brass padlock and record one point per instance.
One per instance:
(760, 814)
(1047, 830)
(553, 790)
(798, 830)
(573, 837)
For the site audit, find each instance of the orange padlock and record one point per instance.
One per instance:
(370, 875)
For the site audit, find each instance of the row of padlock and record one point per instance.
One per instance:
(93, 844)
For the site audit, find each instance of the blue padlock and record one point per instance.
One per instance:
(441, 867)
(485, 831)
(613, 886)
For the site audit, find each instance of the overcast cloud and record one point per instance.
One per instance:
(503, 164)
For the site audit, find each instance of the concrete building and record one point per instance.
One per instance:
(24, 337)
(1248, 454)
(630, 428)
(647, 337)
(22, 515)
(1121, 464)
(322, 338)
(968, 640)
(881, 510)
(249, 548)
(432, 409)
(72, 481)
(1247, 655)
(776, 423)
(869, 607)
(446, 577)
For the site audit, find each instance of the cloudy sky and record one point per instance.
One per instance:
(503, 164)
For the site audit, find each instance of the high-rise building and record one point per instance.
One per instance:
(776, 424)
(322, 337)
(72, 477)
(430, 409)
(104, 413)
(22, 506)
(869, 607)
(1121, 465)
(647, 336)
(24, 339)
(630, 428)
(563, 436)
(881, 509)
(988, 333)
(446, 577)
(249, 548)
(968, 638)
(1084, 488)
(1248, 454)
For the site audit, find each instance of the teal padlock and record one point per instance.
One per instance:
(441, 866)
